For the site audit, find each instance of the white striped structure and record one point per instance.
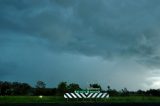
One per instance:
(85, 95)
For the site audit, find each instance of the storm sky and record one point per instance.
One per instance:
(110, 42)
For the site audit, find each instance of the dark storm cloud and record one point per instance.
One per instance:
(109, 29)
(89, 27)
(6, 68)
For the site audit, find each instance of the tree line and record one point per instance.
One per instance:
(18, 88)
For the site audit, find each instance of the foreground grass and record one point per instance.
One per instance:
(58, 99)
(31, 99)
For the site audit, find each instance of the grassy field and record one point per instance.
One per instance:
(58, 99)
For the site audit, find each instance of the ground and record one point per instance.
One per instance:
(61, 100)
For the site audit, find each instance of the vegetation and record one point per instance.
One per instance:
(24, 89)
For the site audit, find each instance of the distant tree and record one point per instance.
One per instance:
(40, 84)
(5, 88)
(108, 87)
(72, 87)
(1, 84)
(95, 86)
(25, 88)
(153, 92)
(20, 88)
(40, 88)
(62, 88)
(15, 88)
(113, 92)
(125, 92)
(140, 92)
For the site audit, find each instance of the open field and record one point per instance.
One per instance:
(61, 100)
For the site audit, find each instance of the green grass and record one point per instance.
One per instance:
(31, 99)
(134, 99)
(58, 99)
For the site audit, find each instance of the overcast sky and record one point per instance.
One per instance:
(110, 42)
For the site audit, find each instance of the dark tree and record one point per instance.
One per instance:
(95, 86)
(5, 88)
(125, 92)
(40, 84)
(72, 87)
(108, 87)
(1, 85)
(113, 92)
(62, 88)
(140, 92)
(153, 92)
(40, 88)
(21, 88)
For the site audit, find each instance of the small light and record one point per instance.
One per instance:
(41, 96)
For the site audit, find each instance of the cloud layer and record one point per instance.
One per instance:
(58, 39)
